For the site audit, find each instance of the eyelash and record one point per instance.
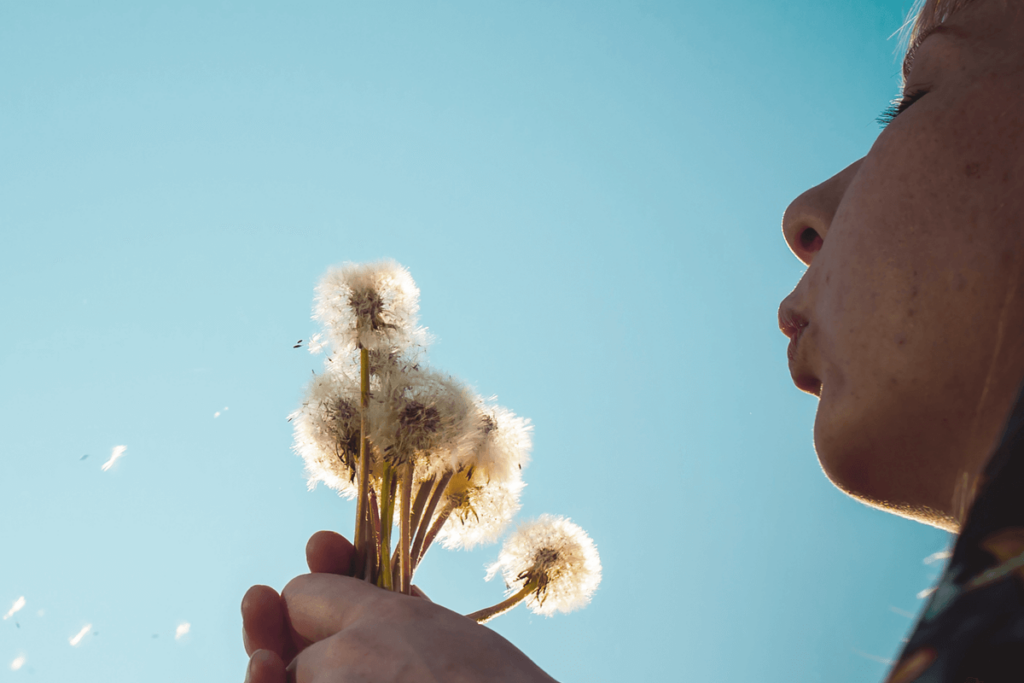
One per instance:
(898, 107)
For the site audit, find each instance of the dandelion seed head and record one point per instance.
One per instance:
(316, 343)
(500, 443)
(420, 415)
(326, 431)
(483, 509)
(559, 556)
(368, 305)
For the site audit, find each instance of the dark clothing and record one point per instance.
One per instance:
(972, 629)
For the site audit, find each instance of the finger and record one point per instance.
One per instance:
(320, 605)
(330, 553)
(265, 667)
(263, 621)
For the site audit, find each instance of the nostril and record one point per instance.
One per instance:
(810, 240)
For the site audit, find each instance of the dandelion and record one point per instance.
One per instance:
(182, 630)
(481, 509)
(551, 563)
(368, 306)
(421, 421)
(326, 430)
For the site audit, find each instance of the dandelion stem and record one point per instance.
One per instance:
(387, 507)
(406, 532)
(362, 515)
(435, 529)
(485, 615)
(420, 502)
(374, 520)
(428, 513)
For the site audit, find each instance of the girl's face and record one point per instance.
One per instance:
(909, 321)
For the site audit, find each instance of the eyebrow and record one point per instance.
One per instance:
(938, 27)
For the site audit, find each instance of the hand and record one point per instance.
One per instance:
(336, 629)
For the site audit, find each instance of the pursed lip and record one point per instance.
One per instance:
(794, 325)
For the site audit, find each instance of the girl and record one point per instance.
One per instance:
(907, 325)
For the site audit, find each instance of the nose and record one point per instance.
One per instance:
(806, 221)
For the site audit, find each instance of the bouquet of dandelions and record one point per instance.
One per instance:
(422, 453)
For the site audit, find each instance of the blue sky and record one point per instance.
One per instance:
(588, 195)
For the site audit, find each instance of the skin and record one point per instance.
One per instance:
(336, 629)
(907, 324)
(909, 319)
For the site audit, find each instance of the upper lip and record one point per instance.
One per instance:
(793, 325)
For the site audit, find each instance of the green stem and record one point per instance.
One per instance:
(428, 514)
(435, 529)
(406, 532)
(386, 508)
(485, 615)
(420, 502)
(361, 536)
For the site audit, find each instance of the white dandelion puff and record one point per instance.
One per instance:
(420, 415)
(216, 414)
(481, 509)
(327, 432)
(484, 495)
(369, 305)
(316, 343)
(921, 595)
(182, 630)
(18, 663)
(77, 638)
(15, 608)
(116, 454)
(553, 562)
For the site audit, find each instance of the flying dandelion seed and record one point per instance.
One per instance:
(925, 593)
(18, 604)
(114, 456)
(182, 630)
(77, 638)
(18, 663)
(216, 414)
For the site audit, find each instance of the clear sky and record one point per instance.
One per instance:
(588, 195)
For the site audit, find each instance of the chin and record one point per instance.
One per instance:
(882, 473)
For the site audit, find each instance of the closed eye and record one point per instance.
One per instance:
(899, 106)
